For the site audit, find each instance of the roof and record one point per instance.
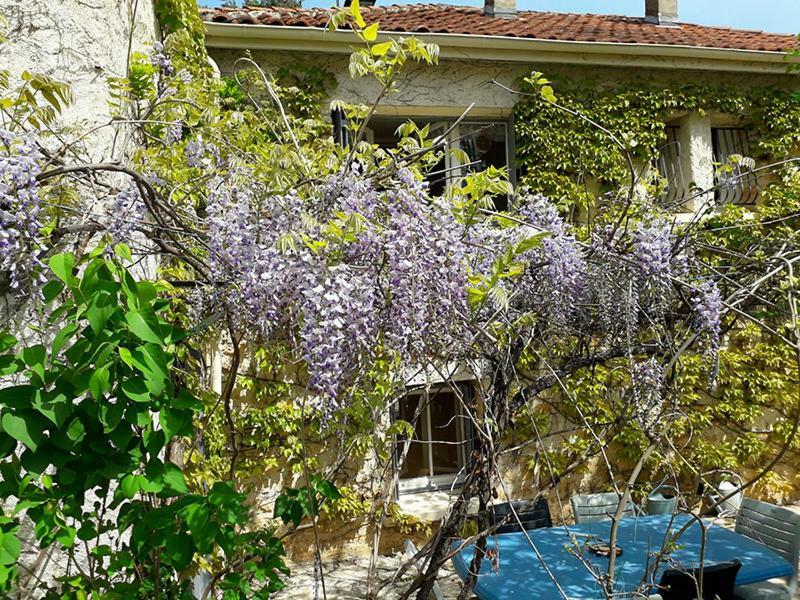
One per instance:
(467, 20)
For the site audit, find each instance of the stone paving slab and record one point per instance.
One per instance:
(346, 580)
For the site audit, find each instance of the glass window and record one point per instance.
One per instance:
(484, 143)
(442, 434)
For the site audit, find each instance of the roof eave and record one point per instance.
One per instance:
(507, 49)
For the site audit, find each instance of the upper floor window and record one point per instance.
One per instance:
(734, 177)
(670, 168)
(485, 144)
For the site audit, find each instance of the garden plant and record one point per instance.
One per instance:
(322, 274)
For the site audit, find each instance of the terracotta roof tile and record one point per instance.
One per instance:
(467, 20)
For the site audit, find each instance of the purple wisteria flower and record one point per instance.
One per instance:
(652, 248)
(161, 60)
(173, 133)
(396, 281)
(20, 241)
(559, 277)
(708, 309)
(338, 329)
(125, 214)
(200, 154)
(647, 378)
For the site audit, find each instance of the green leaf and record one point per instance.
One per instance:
(7, 444)
(17, 396)
(136, 389)
(530, 242)
(99, 382)
(179, 550)
(129, 486)
(381, 49)
(33, 356)
(25, 430)
(173, 479)
(7, 341)
(62, 266)
(141, 328)
(197, 518)
(62, 337)
(185, 400)
(123, 251)
(9, 365)
(38, 462)
(371, 33)
(76, 430)
(53, 405)
(66, 536)
(355, 11)
(222, 493)
(102, 306)
(51, 290)
(111, 415)
(547, 93)
(325, 488)
(87, 532)
(9, 548)
(401, 428)
(175, 422)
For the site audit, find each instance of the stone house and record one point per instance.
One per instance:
(484, 52)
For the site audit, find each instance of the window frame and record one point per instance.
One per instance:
(431, 481)
(453, 167)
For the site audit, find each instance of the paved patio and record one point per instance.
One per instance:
(347, 580)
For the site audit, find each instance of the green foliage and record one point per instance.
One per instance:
(295, 503)
(93, 409)
(558, 151)
(35, 103)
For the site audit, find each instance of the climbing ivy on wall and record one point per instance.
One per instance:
(740, 420)
(558, 152)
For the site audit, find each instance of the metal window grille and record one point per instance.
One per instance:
(734, 178)
(668, 164)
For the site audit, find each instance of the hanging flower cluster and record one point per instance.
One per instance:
(200, 154)
(708, 309)
(341, 272)
(125, 214)
(652, 248)
(559, 282)
(647, 377)
(20, 242)
(160, 60)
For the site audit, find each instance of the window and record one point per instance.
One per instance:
(485, 143)
(740, 185)
(441, 441)
(668, 164)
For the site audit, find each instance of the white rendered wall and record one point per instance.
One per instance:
(81, 43)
